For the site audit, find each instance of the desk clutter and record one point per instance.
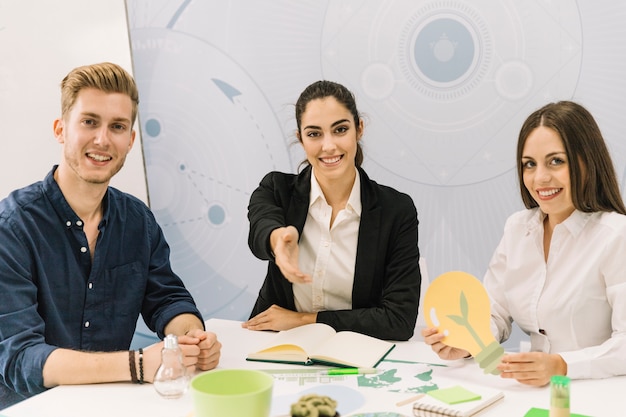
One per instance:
(405, 377)
(414, 386)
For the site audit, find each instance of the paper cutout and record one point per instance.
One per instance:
(454, 395)
(458, 305)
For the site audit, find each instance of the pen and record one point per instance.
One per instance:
(349, 371)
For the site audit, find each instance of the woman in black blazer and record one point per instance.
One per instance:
(342, 249)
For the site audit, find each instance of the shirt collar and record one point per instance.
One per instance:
(354, 201)
(574, 223)
(62, 207)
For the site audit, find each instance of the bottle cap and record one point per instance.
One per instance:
(560, 380)
(170, 342)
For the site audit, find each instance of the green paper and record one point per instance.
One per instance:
(541, 412)
(454, 395)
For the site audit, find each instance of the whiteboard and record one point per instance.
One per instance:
(40, 42)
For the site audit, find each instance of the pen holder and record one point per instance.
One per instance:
(559, 396)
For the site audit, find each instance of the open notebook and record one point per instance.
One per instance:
(321, 344)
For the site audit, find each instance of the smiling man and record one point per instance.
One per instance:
(80, 261)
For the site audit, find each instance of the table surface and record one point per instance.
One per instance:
(598, 398)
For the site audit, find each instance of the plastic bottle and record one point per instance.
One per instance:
(171, 380)
(559, 396)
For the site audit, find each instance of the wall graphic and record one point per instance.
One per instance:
(209, 134)
(40, 42)
(444, 86)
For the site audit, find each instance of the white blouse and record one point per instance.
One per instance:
(575, 303)
(327, 253)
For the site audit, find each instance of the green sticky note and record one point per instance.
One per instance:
(537, 412)
(541, 412)
(454, 395)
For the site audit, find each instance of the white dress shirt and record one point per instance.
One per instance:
(328, 253)
(575, 303)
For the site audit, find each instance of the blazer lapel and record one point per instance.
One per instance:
(299, 207)
(367, 248)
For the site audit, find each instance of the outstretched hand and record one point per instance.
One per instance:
(433, 338)
(284, 243)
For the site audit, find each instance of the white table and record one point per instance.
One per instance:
(598, 398)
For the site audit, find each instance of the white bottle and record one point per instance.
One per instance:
(171, 378)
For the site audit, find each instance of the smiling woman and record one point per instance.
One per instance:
(592, 175)
(546, 174)
(559, 268)
(341, 249)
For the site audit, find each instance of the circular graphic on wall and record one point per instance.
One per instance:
(444, 86)
(209, 136)
(445, 90)
(447, 55)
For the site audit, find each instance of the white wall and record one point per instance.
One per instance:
(40, 42)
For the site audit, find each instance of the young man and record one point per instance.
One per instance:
(79, 260)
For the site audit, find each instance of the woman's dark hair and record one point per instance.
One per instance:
(322, 89)
(592, 175)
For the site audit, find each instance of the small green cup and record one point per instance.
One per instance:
(232, 393)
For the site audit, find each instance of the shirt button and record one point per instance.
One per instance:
(87, 324)
(83, 249)
(68, 223)
(79, 223)
(90, 285)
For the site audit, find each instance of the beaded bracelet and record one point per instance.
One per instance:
(133, 367)
(140, 365)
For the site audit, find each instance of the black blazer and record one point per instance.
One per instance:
(387, 279)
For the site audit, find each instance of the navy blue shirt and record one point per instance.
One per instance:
(53, 295)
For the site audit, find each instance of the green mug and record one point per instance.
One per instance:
(232, 393)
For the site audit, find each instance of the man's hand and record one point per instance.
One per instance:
(200, 349)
